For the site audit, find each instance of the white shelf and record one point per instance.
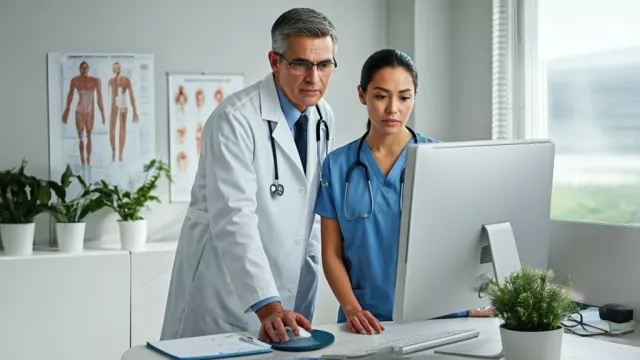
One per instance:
(53, 253)
(150, 246)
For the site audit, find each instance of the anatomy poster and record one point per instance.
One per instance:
(101, 115)
(192, 98)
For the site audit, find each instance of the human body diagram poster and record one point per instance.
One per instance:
(101, 116)
(192, 98)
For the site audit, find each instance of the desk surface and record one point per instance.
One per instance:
(574, 347)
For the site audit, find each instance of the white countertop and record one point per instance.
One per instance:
(574, 347)
(148, 246)
(54, 253)
(92, 248)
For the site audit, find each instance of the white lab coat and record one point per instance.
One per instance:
(238, 244)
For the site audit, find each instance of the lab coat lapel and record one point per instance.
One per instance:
(271, 111)
(312, 146)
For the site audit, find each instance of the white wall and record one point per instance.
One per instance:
(471, 22)
(184, 36)
(179, 38)
(433, 51)
(401, 21)
(450, 42)
(600, 259)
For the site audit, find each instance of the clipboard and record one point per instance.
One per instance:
(210, 347)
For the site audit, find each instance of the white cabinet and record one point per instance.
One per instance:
(150, 278)
(58, 306)
(151, 269)
(93, 305)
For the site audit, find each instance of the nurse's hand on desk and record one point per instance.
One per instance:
(362, 322)
(274, 318)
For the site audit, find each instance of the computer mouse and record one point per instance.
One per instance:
(303, 333)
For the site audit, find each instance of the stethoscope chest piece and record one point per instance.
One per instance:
(276, 189)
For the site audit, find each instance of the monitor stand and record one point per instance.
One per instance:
(476, 349)
(505, 261)
(503, 250)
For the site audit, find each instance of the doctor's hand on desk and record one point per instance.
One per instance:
(362, 322)
(274, 319)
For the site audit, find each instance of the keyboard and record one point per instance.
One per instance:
(409, 345)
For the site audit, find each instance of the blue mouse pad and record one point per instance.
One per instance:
(319, 339)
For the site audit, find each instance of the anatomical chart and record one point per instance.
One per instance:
(101, 116)
(192, 98)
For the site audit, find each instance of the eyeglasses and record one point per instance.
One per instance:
(301, 67)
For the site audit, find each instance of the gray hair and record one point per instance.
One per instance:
(301, 21)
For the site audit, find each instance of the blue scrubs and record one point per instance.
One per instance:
(370, 245)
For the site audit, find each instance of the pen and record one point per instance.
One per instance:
(250, 340)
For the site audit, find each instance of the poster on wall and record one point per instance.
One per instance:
(192, 98)
(101, 116)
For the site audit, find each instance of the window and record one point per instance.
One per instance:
(579, 62)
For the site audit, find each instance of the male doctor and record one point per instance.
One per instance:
(248, 257)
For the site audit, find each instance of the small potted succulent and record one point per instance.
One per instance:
(22, 198)
(129, 204)
(531, 307)
(69, 214)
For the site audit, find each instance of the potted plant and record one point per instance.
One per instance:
(532, 308)
(22, 198)
(70, 214)
(129, 205)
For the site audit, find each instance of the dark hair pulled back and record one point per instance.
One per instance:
(382, 59)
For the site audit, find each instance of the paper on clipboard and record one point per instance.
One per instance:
(210, 346)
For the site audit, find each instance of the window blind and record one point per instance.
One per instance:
(502, 94)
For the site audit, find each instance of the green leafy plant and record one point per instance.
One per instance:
(529, 300)
(128, 205)
(77, 208)
(22, 196)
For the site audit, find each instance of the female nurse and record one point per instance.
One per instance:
(359, 200)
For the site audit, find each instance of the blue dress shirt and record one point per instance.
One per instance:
(291, 114)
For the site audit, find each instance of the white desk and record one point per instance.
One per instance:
(574, 347)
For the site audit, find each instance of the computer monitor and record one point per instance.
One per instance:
(471, 210)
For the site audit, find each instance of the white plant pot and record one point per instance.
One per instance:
(523, 345)
(70, 237)
(133, 234)
(17, 239)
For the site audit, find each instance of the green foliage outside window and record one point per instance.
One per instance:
(617, 204)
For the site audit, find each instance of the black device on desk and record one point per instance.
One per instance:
(616, 313)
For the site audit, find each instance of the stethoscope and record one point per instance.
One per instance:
(359, 163)
(278, 189)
